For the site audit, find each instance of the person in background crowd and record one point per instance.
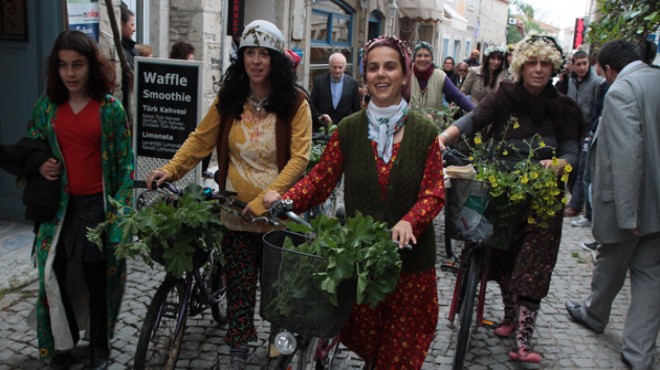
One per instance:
(128, 44)
(524, 270)
(186, 51)
(428, 83)
(473, 59)
(91, 143)
(182, 50)
(562, 79)
(595, 120)
(144, 50)
(623, 164)
(261, 126)
(583, 88)
(483, 79)
(127, 31)
(461, 71)
(407, 195)
(449, 68)
(335, 95)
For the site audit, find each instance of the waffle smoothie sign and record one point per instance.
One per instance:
(167, 98)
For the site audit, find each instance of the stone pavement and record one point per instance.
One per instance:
(563, 344)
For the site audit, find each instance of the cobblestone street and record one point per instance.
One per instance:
(563, 344)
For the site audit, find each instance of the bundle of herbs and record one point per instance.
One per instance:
(318, 279)
(176, 232)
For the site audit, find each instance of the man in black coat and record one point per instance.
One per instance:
(40, 196)
(335, 95)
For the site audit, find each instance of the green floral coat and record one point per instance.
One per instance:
(117, 166)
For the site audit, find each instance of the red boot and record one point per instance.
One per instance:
(504, 329)
(523, 351)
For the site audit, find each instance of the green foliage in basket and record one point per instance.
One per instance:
(362, 250)
(319, 147)
(178, 227)
(442, 117)
(528, 181)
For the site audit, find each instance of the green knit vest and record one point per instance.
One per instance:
(361, 188)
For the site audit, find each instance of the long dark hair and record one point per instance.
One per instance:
(235, 87)
(101, 72)
(485, 69)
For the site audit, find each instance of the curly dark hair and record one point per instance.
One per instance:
(485, 69)
(181, 50)
(101, 72)
(235, 87)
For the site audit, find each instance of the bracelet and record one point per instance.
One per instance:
(447, 139)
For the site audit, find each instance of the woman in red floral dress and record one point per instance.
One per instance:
(392, 165)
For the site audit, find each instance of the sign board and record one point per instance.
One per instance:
(236, 15)
(84, 17)
(168, 98)
(579, 33)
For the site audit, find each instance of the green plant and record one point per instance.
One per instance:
(318, 147)
(528, 185)
(171, 230)
(442, 117)
(362, 250)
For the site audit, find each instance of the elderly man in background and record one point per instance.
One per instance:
(335, 95)
(473, 60)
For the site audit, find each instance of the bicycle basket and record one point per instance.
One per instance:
(291, 296)
(466, 209)
(507, 219)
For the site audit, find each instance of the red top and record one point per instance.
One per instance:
(322, 179)
(79, 136)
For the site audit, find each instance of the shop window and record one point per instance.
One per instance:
(331, 31)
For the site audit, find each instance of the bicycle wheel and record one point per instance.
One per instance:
(469, 293)
(159, 345)
(219, 290)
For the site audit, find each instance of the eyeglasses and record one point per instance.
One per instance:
(462, 70)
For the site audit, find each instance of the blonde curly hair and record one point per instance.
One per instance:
(534, 45)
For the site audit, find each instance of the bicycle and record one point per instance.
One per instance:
(292, 300)
(309, 338)
(465, 221)
(176, 299)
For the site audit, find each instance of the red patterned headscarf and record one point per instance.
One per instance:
(403, 50)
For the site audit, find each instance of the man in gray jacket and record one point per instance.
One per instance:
(583, 88)
(625, 173)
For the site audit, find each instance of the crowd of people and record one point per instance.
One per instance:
(389, 156)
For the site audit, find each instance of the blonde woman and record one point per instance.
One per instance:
(524, 271)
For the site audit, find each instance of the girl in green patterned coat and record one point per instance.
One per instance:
(93, 160)
(391, 161)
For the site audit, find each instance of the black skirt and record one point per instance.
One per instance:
(83, 211)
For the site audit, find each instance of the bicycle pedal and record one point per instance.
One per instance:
(449, 266)
(488, 324)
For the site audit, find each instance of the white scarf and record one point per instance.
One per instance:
(383, 124)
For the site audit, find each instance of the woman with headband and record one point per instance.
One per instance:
(428, 83)
(392, 167)
(485, 78)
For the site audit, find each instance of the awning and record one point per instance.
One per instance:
(427, 10)
(456, 20)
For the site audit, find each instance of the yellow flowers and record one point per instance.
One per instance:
(521, 180)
